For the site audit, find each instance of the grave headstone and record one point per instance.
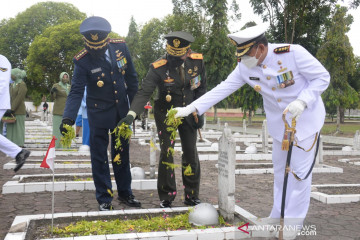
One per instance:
(226, 174)
(152, 150)
(204, 127)
(244, 126)
(357, 140)
(320, 155)
(265, 137)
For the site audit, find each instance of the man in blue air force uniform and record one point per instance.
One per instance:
(290, 79)
(106, 68)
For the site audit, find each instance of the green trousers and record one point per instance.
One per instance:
(166, 184)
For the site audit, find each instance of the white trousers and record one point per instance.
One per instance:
(298, 192)
(7, 146)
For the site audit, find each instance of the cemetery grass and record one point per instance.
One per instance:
(117, 225)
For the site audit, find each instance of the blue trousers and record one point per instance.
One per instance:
(99, 141)
(86, 132)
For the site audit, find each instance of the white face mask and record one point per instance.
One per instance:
(250, 62)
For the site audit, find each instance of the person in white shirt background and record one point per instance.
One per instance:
(6, 146)
(290, 80)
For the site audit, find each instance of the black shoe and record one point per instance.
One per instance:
(106, 207)
(192, 201)
(165, 204)
(130, 201)
(20, 159)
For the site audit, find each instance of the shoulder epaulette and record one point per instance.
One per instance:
(80, 54)
(196, 56)
(283, 49)
(159, 63)
(117, 40)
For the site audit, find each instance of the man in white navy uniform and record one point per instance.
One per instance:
(6, 146)
(290, 80)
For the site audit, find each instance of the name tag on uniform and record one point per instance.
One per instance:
(254, 78)
(96, 70)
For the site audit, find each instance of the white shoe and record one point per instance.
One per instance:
(288, 234)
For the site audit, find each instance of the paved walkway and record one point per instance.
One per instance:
(253, 193)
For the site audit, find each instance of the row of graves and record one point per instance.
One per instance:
(233, 152)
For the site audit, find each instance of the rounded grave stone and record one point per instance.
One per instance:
(251, 149)
(204, 214)
(347, 149)
(137, 173)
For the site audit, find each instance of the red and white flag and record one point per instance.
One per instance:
(49, 158)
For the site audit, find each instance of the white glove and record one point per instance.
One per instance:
(184, 111)
(295, 108)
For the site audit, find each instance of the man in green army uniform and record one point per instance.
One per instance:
(179, 77)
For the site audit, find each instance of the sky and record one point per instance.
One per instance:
(119, 12)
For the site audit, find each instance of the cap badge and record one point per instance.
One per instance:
(176, 42)
(190, 71)
(94, 37)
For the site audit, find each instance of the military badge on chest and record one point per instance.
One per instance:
(121, 62)
(168, 83)
(195, 78)
(285, 78)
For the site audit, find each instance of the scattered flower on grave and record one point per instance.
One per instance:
(117, 159)
(188, 171)
(172, 175)
(110, 192)
(68, 137)
(122, 131)
(170, 165)
(174, 193)
(153, 146)
(169, 193)
(173, 123)
(160, 133)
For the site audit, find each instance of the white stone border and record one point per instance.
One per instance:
(17, 187)
(353, 161)
(196, 234)
(336, 198)
(320, 168)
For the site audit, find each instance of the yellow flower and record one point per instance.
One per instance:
(117, 159)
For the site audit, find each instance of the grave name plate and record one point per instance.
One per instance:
(226, 174)
(152, 151)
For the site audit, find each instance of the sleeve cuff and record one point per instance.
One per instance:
(132, 113)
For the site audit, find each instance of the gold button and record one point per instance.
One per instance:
(117, 101)
(103, 74)
(114, 82)
(273, 88)
(184, 96)
(95, 105)
(183, 103)
(112, 73)
(268, 77)
(115, 92)
(264, 66)
(279, 62)
(279, 100)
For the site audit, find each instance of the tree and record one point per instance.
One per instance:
(219, 53)
(17, 34)
(296, 21)
(133, 42)
(51, 53)
(338, 58)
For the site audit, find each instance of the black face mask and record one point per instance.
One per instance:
(98, 53)
(174, 62)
